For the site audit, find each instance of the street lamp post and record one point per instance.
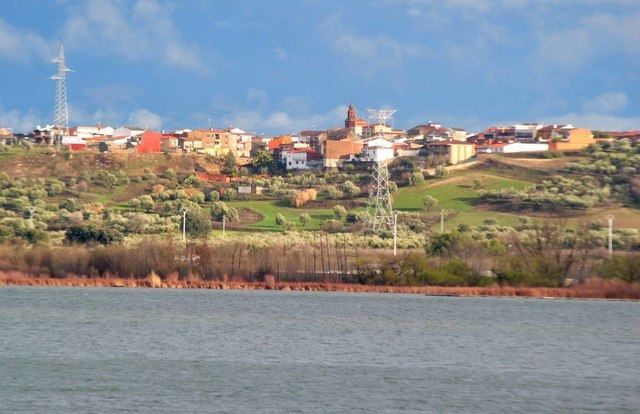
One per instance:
(395, 233)
(184, 225)
(224, 222)
(610, 220)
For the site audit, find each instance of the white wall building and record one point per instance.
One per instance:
(378, 149)
(516, 147)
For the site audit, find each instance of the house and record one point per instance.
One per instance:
(377, 150)
(216, 142)
(149, 143)
(74, 142)
(430, 132)
(301, 159)
(526, 132)
(550, 132)
(572, 139)
(6, 135)
(94, 131)
(337, 152)
(170, 143)
(449, 152)
(244, 142)
(458, 134)
(278, 142)
(315, 139)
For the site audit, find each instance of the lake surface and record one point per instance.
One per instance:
(142, 350)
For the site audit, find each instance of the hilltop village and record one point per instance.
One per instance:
(356, 141)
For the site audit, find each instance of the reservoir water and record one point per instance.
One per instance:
(141, 350)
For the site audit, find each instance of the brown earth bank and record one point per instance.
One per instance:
(592, 289)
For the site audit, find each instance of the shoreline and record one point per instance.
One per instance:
(597, 289)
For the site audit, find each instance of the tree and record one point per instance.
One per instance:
(219, 210)
(229, 165)
(350, 189)
(305, 219)
(429, 202)
(146, 202)
(213, 196)
(198, 224)
(262, 161)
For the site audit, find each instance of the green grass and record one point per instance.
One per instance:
(270, 208)
(458, 193)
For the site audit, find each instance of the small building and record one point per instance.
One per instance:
(572, 139)
(517, 147)
(301, 158)
(149, 143)
(337, 152)
(449, 152)
(244, 142)
(377, 150)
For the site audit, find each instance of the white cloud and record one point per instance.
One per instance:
(284, 121)
(146, 119)
(143, 32)
(607, 103)
(21, 45)
(598, 121)
(375, 50)
(18, 121)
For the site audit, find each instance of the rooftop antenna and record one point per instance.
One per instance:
(60, 108)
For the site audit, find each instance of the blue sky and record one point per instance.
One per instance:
(281, 66)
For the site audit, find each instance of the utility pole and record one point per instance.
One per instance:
(224, 222)
(395, 233)
(610, 220)
(184, 225)
(441, 221)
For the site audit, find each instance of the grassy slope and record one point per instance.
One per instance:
(457, 193)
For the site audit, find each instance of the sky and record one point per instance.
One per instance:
(281, 66)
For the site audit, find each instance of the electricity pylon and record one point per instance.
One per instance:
(380, 200)
(60, 108)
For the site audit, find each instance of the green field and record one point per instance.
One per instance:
(268, 209)
(457, 193)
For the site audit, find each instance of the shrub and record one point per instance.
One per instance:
(191, 181)
(213, 196)
(305, 219)
(229, 194)
(416, 178)
(280, 220)
(429, 202)
(91, 235)
(334, 193)
(350, 189)
(300, 198)
(340, 212)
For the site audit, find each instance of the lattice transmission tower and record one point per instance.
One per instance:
(380, 200)
(60, 108)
